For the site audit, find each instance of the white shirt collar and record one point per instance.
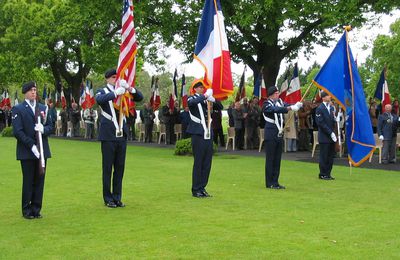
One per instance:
(110, 86)
(29, 104)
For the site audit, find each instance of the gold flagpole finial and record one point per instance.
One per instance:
(347, 28)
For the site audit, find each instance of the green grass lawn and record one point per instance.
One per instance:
(354, 217)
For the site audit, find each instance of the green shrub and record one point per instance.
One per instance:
(7, 132)
(184, 147)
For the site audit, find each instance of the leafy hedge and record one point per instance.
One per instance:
(7, 132)
(184, 147)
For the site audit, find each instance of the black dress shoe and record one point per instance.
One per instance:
(281, 187)
(275, 187)
(28, 216)
(110, 204)
(119, 204)
(198, 194)
(326, 178)
(37, 215)
(205, 193)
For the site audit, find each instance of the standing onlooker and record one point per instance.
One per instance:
(251, 123)
(90, 117)
(169, 116)
(239, 117)
(231, 121)
(387, 131)
(25, 128)
(291, 131)
(75, 116)
(184, 117)
(304, 115)
(64, 121)
(148, 117)
(373, 115)
(216, 123)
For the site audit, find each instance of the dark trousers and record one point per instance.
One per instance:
(239, 138)
(76, 129)
(304, 140)
(113, 154)
(389, 149)
(133, 133)
(202, 153)
(148, 133)
(170, 133)
(273, 154)
(219, 134)
(32, 187)
(326, 154)
(252, 137)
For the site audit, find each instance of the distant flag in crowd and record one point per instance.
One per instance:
(16, 98)
(63, 100)
(89, 94)
(284, 87)
(71, 97)
(127, 58)
(174, 93)
(184, 95)
(382, 90)
(339, 77)
(293, 93)
(242, 88)
(212, 50)
(45, 97)
(260, 90)
(5, 101)
(155, 99)
(82, 96)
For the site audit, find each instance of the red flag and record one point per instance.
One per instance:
(183, 92)
(63, 100)
(155, 100)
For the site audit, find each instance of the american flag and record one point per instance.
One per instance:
(127, 57)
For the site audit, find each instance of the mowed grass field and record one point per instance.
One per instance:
(354, 217)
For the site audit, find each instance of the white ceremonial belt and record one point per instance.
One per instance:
(106, 115)
(195, 119)
(269, 120)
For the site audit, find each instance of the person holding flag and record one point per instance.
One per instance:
(113, 143)
(273, 110)
(202, 141)
(26, 127)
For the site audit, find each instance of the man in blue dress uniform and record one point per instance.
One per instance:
(202, 142)
(325, 119)
(25, 128)
(273, 110)
(113, 141)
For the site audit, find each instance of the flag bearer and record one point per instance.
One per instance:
(113, 142)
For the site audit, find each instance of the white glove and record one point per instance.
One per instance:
(333, 136)
(339, 116)
(124, 84)
(35, 151)
(294, 108)
(381, 137)
(119, 91)
(299, 105)
(39, 127)
(209, 92)
(132, 90)
(211, 99)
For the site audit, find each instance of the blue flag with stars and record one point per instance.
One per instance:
(339, 77)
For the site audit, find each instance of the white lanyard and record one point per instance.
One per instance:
(113, 116)
(203, 122)
(279, 125)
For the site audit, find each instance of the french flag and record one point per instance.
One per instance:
(212, 50)
(293, 93)
(382, 90)
(183, 92)
(260, 90)
(284, 88)
(174, 93)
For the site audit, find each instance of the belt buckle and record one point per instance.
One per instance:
(118, 133)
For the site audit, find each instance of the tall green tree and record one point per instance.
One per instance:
(261, 33)
(385, 52)
(64, 39)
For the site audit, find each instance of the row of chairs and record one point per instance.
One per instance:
(160, 132)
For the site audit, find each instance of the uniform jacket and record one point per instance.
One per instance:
(326, 123)
(23, 127)
(107, 128)
(387, 126)
(195, 128)
(270, 129)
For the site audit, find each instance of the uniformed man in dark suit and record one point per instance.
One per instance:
(325, 119)
(25, 128)
(273, 110)
(387, 132)
(202, 141)
(113, 142)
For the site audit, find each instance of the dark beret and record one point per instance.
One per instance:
(27, 86)
(109, 73)
(272, 90)
(324, 94)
